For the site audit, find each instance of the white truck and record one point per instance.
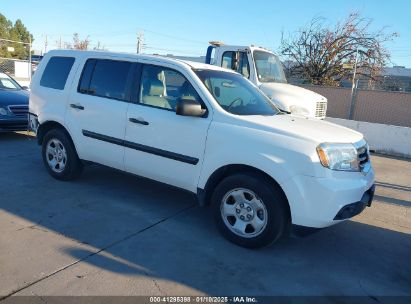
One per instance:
(265, 70)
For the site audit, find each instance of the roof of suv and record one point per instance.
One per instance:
(158, 58)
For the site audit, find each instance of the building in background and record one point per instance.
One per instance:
(397, 78)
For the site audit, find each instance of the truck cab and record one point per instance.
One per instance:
(263, 68)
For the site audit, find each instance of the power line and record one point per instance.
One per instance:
(127, 32)
(174, 37)
(172, 50)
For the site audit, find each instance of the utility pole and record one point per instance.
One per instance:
(45, 45)
(355, 71)
(60, 43)
(30, 66)
(140, 40)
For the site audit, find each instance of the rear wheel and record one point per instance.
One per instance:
(250, 211)
(60, 156)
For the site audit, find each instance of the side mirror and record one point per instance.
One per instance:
(187, 107)
(26, 88)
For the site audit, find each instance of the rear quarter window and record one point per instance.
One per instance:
(56, 72)
(106, 78)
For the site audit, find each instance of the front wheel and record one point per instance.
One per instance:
(250, 211)
(60, 156)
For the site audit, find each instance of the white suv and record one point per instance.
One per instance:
(203, 129)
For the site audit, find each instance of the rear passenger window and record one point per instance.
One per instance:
(56, 72)
(84, 84)
(105, 78)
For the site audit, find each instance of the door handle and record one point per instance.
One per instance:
(139, 121)
(76, 106)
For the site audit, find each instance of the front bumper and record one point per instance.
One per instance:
(354, 209)
(9, 124)
(321, 202)
(33, 122)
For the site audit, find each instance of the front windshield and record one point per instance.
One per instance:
(269, 67)
(6, 83)
(235, 94)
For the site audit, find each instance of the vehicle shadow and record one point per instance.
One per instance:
(393, 186)
(15, 136)
(351, 259)
(393, 201)
(136, 227)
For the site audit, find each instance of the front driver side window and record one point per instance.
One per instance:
(163, 88)
(236, 61)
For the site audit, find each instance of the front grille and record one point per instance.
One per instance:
(321, 109)
(19, 110)
(363, 157)
(13, 126)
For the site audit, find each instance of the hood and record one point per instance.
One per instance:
(318, 131)
(11, 97)
(286, 95)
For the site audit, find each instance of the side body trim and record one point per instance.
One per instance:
(139, 147)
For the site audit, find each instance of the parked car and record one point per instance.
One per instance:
(35, 60)
(204, 129)
(14, 105)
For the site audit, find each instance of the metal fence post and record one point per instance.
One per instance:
(30, 67)
(353, 100)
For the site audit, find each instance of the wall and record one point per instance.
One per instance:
(384, 139)
(21, 69)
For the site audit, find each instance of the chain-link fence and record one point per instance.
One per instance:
(386, 83)
(20, 70)
(381, 83)
(7, 66)
(392, 108)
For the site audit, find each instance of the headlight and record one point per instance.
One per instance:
(299, 110)
(3, 112)
(340, 157)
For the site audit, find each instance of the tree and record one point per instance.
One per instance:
(79, 44)
(20, 33)
(16, 32)
(318, 53)
(5, 26)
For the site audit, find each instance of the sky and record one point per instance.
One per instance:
(184, 27)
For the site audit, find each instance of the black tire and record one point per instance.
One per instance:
(270, 195)
(73, 165)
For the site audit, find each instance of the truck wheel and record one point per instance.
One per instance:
(250, 211)
(60, 156)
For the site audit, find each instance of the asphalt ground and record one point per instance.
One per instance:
(110, 233)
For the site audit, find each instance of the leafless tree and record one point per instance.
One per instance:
(99, 47)
(78, 44)
(318, 52)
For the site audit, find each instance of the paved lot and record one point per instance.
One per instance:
(110, 233)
